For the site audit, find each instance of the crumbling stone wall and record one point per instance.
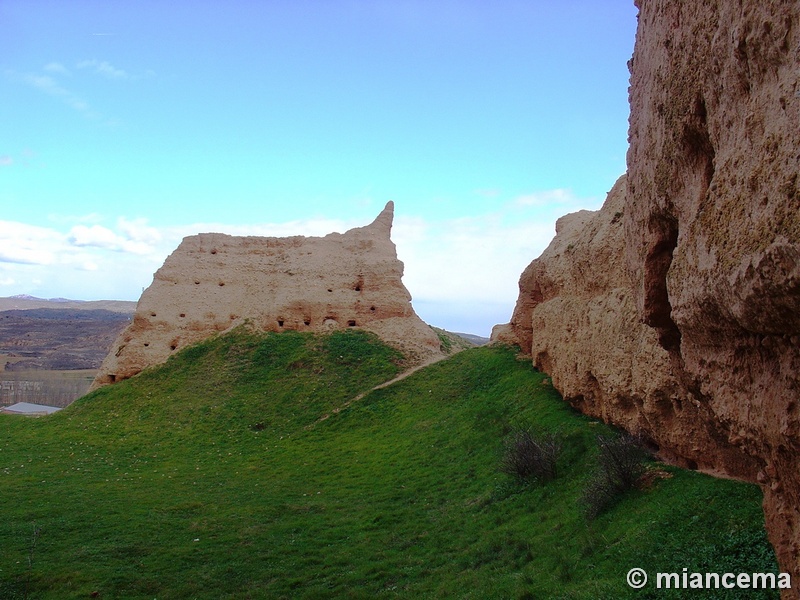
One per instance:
(213, 282)
(675, 310)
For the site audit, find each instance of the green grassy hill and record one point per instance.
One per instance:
(228, 473)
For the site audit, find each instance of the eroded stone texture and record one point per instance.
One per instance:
(713, 225)
(578, 317)
(675, 310)
(213, 282)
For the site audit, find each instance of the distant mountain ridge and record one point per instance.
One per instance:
(27, 302)
(478, 340)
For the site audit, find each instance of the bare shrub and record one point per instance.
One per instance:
(622, 458)
(599, 495)
(531, 457)
(620, 465)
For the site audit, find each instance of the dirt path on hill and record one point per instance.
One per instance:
(402, 375)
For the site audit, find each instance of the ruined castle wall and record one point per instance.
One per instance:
(213, 282)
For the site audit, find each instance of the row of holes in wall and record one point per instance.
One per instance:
(350, 323)
(172, 346)
(280, 321)
(356, 287)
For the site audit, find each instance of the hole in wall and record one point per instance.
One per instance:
(280, 322)
(351, 323)
(657, 307)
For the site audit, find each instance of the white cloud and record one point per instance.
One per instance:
(135, 237)
(109, 71)
(463, 273)
(28, 244)
(82, 244)
(96, 236)
(87, 262)
(23, 158)
(548, 199)
(138, 231)
(45, 82)
(103, 68)
(50, 86)
(475, 259)
(311, 227)
(56, 67)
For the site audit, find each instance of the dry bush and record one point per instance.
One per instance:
(531, 457)
(620, 465)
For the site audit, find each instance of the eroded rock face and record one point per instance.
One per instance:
(675, 310)
(713, 226)
(213, 282)
(577, 315)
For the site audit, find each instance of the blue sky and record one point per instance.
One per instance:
(126, 125)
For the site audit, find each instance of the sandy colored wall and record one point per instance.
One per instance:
(675, 310)
(213, 282)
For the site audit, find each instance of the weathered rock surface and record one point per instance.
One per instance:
(213, 282)
(675, 310)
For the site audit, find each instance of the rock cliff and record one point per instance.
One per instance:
(675, 309)
(213, 282)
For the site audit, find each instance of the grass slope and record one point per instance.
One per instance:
(214, 477)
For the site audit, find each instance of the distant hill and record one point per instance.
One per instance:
(478, 340)
(57, 338)
(25, 302)
(50, 355)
